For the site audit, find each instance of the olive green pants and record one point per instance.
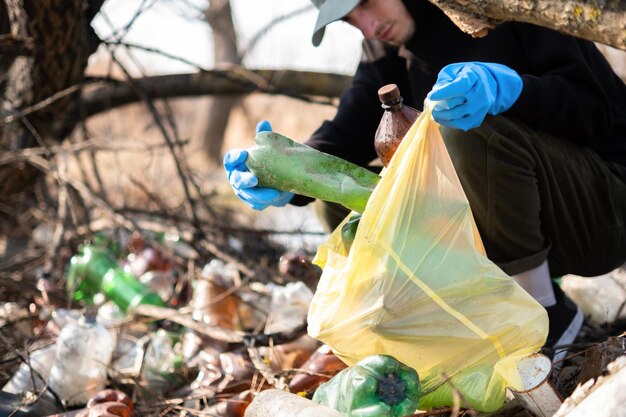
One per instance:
(535, 197)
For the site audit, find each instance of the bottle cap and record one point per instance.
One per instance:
(388, 93)
(89, 314)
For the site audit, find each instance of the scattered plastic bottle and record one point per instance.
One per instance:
(144, 257)
(289, 307)
(161, 361)
(233, 407)
(376, 386)
(160, 355)
(394, 124)
(181, 248)
(298, 266)
(278, 403)
(20, 405)
(211, 303)
(40, 362)
(94, 270)
(106, 403)
(83, 354)
(112, 318)
(161, 282)
(319, 368)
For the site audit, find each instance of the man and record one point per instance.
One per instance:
(535, 124)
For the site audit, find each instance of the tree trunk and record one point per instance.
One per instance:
(57, 29)
(602, 22)
(210, 129)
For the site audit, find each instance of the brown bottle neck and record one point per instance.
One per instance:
(393, 105)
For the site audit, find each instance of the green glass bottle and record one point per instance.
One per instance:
(94, 270)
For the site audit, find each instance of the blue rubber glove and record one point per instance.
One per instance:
(466, 92)
(244, 183)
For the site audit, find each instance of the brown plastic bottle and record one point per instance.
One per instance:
(319, 368)
(396, 121)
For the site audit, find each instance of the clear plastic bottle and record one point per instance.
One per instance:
(278, 403)
(83, 354)
(395, 123)
(40, 362)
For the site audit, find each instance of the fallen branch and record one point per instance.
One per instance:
(602, 22)
(218, 333)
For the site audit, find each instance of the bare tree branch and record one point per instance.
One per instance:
(297, 84)
(259, 35)
(190, 204)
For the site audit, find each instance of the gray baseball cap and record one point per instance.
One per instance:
(330, 11)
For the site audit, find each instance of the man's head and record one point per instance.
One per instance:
(387, 20)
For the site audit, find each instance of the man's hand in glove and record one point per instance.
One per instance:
(244, 182)
(466, 92)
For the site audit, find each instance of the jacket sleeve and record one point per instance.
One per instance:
(350, 134)
(565, 86)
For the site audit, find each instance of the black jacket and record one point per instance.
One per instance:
(569, 89)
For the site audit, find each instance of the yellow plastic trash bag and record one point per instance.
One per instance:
(417, 285)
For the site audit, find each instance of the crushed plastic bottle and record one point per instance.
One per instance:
(83, 354)
(289, 306)
(211, 303)
(160, 354)
(41, 362)
(112, 318)
(278, 403)
(288, 309)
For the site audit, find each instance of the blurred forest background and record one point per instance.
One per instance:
(118, 112)
(181, 65)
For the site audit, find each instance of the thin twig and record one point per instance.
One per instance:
(272, 24)
(121, 32)
(63, 201)
(94, 165)
(20, 114)
(91, 145)
(87, 194)
(183, 161)
(190, 205)
(156, 51)
(25, 359)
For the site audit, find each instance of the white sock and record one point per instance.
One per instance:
(538, 283)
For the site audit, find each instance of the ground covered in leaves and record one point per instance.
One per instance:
(229, 327)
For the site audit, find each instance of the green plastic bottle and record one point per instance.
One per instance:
(94, 270)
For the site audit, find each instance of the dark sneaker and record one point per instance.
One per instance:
(565, 321)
